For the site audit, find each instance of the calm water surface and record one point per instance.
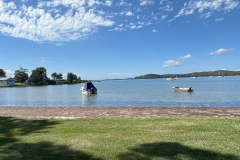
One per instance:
(217, 91)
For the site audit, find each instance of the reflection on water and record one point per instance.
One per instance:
(89, 99)
(222, 91)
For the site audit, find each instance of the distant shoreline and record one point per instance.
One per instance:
(118, 112)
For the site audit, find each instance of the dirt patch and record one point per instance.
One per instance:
(125, 112)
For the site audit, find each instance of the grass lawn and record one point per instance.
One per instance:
(119, 138)
(21, 84)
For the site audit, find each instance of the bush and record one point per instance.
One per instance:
(66, 82)
(50, 82)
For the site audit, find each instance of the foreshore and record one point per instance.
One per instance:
(123, 112)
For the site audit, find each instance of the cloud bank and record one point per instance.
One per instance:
(57, 21)
(47, 22)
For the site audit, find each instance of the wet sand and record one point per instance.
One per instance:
(124, 112)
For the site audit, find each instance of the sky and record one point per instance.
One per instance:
(108, 39)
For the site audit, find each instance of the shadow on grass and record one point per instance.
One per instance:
(12, 149)
(172, 151)
(12, 127)
(43, 151)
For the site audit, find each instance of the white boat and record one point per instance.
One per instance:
(171, 79)
(178, 89)
(89, 88)
(193, 76)
(220, 75)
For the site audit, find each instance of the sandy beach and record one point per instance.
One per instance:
(124, 112)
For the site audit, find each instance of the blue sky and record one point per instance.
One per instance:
(106, 39)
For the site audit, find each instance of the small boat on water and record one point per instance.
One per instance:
(171, 79)
(178, 89)
(89, 88)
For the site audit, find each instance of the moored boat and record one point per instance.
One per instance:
(171, 79)
(89, 88)
(178, 89)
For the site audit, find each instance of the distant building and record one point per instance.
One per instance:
(7, 81)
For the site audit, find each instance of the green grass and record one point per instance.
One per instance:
(21, 84)
(118, 138)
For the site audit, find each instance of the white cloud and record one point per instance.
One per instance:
(146, 2)
(170, 63)
(184, 57)
(154, 31)
(219, 19)
(120, 13)
(167, 8)
(117, 29)
(108, 3)
(9, 73)
(163, 17)
(155, 18)
(206, 15)
(123, 3)
(206, 5)
(129, 13)
(139, 27)
(221, 51)
(49, 24)
(133, 27)
(177, 62)
(161, 2)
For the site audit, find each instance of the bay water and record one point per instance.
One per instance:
(208, 92)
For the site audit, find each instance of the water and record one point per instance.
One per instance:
(217, 91)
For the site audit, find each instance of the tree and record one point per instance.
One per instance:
(39, 75)
(21, 75)
(54, 75)
(79, 79)
(71, 77)
(2, 73)
(59, 76)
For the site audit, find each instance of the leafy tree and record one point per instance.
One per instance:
(59, 76)
(21, 75)
(2, 73)
(79, 79)
(39, 75)
(71, 77)
(54, 75)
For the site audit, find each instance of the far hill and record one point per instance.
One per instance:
(195, 74)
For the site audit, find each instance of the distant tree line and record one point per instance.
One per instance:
(195, 74)
(39, 77)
